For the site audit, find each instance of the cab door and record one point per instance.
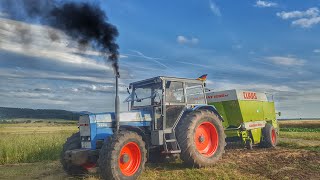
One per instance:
(174, 102)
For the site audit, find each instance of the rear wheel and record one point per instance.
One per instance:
(270, 137)
(72, 142)
(123, 157)
(201, 138)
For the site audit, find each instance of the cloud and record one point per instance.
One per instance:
(214, 8)
(184, 40)
(316, 51)
(264, 4)
(311, 12)
(285, 61)
(306, 23)
(304, 19)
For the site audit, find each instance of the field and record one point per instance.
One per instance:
(31, 151)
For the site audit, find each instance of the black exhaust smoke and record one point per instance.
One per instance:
(85, 22)
(88, 25)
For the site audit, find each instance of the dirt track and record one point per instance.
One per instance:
(279, 163)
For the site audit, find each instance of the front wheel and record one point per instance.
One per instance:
(72, 143)
(201, 138)
(123, 157)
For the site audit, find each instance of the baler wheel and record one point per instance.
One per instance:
(73, 142)
(270, 137)
(201, 138)
(123, 156)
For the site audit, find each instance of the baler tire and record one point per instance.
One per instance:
(73, 142)
(268, 140)
(109, 167)
(186, 131)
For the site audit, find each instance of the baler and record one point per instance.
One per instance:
(249, 117)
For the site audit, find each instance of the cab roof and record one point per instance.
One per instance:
(163, 78)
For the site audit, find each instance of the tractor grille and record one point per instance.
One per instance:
(85, 133)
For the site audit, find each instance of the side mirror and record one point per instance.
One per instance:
(279, 113)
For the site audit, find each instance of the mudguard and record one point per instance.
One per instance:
(210, 108)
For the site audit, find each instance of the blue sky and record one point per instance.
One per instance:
(270, 46)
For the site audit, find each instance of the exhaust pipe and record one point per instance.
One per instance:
(117, 104)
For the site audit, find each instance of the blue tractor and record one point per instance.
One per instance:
(166, 116)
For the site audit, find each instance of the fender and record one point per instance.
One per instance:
(210, 108)
(136, 129)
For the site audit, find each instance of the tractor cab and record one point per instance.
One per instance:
(167, 98)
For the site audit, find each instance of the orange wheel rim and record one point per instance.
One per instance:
(206, 139)
(273, 136)
(129, 159)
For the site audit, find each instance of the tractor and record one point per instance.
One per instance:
(169, 117)
(166, 116)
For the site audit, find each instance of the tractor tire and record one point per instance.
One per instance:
(123, 156)
(73, 142)
(270, 137)
(201, 138)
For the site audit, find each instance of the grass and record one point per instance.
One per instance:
(39, 145)
(310, 124)
(301, 135)
(36, 128)
(300, 129)
(24, 143)
(297, 145)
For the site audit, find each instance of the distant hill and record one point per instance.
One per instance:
(11, 113)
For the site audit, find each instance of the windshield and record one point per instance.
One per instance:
(146, 95)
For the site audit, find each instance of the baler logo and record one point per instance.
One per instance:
(217, 96)
(250, 95)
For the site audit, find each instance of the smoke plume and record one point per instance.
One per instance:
(85, 22)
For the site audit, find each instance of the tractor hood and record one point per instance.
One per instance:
(108, 117)
(98, 126)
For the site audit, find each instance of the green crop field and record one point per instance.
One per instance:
(31, 151)
(24, 143)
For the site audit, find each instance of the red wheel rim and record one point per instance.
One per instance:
(206, 139)
(129, 159)
(273, 136)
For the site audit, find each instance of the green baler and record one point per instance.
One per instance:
(248, 116)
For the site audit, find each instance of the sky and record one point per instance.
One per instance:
(268, 46)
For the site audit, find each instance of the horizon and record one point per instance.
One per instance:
(267, 46)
